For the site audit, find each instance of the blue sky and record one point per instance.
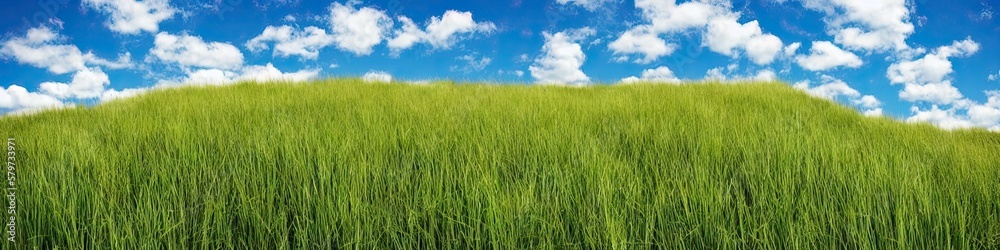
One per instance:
(918, 60)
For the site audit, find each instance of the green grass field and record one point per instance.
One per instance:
(341, 163)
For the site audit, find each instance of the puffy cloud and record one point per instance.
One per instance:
(112, 94)
(837, 90)
(726, 34)
(670, 17)
(939, 93)
(766, 75)
(377, 76)
(132, 17)
(255, 73)
(831, 88)
(191, 51)
(663, 17)
(441, 32)
(925, 79)
(561, 58)
(993, 77)
(971, 114)
(358, 30)
(943, 118)
(658, 74)
(641, 41)
(87, 83)
(825, 56)
(18, 98)
(39, 48)
(723, 34)
(270, 73)
(291, 42)
(792, 48)
(867, 25)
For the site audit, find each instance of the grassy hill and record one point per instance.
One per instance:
(340, 163)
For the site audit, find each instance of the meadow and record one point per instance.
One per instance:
(340, 163)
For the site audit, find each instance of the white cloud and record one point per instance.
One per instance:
(943, 118)
(377, 76)
(993, 77)
(835, 89)
(192, 51)
(866, 25)
(256, 73)
(664, 17)
(868, 101)
(472, 63)
(669, 17)
(112, 94)
(831, 88)
(590, 5)
(39, 48)
(984, 115)
(825, 56)
(926, 79)
(792, 48)
(519, 73)
(766, 75)
(270, 73)
(358, 30)
(441, 32)
(939, 93)
(87, 83)
(641, 41)
(561, 58)
(18, 98)
(722, 32)
(289, 18)
(132, 17)
(291, 42)
(726, 34)
(728, 74)
(658, 74)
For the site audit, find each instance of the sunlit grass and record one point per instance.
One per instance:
(340, 163)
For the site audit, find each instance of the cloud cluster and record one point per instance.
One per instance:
(289, 41)
(131, 16)
(866, 25)
(926, 79)
(191, 51)
(837, 90)
(825, 55)
(440, 32)
(40, 47)
(18, 98)
(726, 34)
(359, 30)
(722, 32)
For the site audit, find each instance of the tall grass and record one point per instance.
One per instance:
(343, 164)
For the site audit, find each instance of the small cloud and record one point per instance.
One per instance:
(377, 76)
(289, 18)
(472, 63)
